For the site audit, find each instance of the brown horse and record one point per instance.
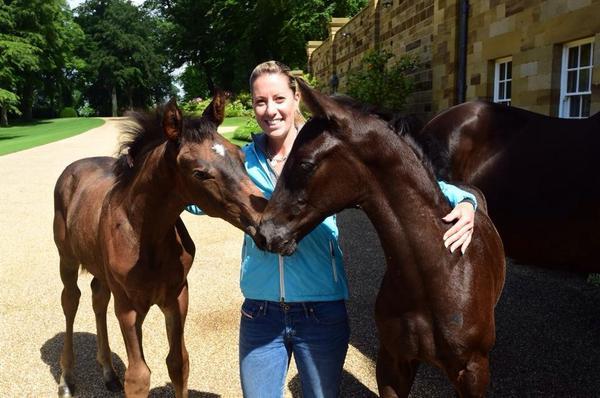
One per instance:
(539, 174)
(119, 220)
(433, 305)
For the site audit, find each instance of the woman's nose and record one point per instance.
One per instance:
(271, 108)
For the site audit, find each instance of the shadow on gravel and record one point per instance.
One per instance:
(87, 372)
(547, 325)
(351, 387)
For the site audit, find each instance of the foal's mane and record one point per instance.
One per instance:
(143, 132)
(407, 127)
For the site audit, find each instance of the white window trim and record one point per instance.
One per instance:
(497, 82)
(563, 109)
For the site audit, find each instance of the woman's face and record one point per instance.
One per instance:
(275, 104)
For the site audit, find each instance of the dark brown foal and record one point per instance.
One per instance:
(119, 220)
(433, 305)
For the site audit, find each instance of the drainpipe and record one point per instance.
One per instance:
(461, 69)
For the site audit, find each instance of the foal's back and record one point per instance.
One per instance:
(78, 197)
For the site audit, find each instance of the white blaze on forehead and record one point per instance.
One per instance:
(219, 148)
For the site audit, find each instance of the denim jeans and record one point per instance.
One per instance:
(316, 333)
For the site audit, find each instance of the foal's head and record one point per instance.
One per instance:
(200, 166)
(326, 171)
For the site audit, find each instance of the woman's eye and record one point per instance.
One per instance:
(201, 175)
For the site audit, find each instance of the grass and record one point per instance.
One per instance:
(23, 136)
(236, 122)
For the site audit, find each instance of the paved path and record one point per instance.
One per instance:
(548, 323)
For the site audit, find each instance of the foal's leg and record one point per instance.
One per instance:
(472, 380)
(137, 375)
(100, 299)
(178, 359)
(70, 302)
(394, 376)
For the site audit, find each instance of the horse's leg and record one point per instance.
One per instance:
(100, 299)
(178, 359)
(472, 380)
(137, 375)
(70, 302)
(394, 376)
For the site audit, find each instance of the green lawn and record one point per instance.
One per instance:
(28, 135)
(235, 122)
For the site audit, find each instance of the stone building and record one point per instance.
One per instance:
(539, 55)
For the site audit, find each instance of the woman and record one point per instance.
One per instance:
(296, 305)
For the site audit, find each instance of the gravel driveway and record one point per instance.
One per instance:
(548, 323)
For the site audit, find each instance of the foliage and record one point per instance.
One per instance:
(222, 40)
(376, 84)
(195, 106)
(125, 50)
(245, 98)
(9, 101)
(594, 279)
(86, 111)
(244, 133)
(67, 112)
(236, 108)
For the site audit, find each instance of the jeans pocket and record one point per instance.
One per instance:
(329, 312)
(251, 309)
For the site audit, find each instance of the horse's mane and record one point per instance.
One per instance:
(429, 150)
(143, 132)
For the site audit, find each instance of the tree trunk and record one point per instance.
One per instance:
(3, 117)
(114, 102)
(27, 102)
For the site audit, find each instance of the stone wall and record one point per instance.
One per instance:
(531, 32)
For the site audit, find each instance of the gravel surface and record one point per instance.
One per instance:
(548, 323)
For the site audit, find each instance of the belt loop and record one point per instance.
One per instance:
(305, 309)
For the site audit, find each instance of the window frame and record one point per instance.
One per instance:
(498, 81)
(564, 102)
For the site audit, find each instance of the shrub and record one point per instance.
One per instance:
(236, 108)
(86, 111)
(245, 98)
(244, 133)
(67, 112)
(195, 106)
(374, 84)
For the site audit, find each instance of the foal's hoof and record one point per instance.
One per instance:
(64, 392)
(114, 385)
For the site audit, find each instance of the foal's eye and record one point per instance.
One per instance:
(201, 175)
(307, 167)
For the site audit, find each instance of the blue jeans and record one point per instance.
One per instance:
(316, 333)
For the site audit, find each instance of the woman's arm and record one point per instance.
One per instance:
(463, 214)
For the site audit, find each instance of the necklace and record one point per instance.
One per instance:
(273, 160)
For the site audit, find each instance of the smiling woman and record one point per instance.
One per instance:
(29, 135)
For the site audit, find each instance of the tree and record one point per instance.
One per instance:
(224, 39)
(124, 57)
(377, 84)
(46, 35)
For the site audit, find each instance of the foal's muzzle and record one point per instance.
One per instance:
(275, 239)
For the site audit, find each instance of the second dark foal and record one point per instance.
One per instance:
(433, 305)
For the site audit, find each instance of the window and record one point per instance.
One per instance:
(576, 79)
(503, 81)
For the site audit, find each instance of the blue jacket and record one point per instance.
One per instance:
(315, 272)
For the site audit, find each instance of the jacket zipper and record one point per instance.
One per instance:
(333, 262)
(281, 280)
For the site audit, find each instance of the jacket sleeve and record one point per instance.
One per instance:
(195, 210)
(456, 195)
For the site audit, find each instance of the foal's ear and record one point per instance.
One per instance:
(320, 105)
(172, 120)
(215, 111)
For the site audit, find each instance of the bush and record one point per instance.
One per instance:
(244, 133)
(245, 98)
(196, 106)
(382, 87)
(86, 111)
(236, 109)
(67, 112)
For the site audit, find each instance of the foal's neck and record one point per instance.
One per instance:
(405, 204)
(150, 201)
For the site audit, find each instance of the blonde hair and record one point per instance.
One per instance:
(274, 68)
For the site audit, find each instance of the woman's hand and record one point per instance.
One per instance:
(461, 232)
